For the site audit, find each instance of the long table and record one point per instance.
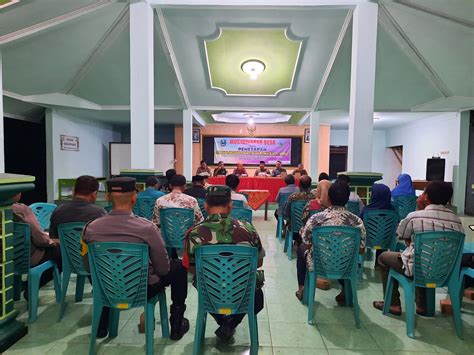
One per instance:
(272, 184)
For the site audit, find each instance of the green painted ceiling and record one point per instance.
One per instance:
(234, 46)
(207, 116)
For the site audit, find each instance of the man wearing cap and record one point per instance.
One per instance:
(197, 190)
(121, 225)
(177, 199)
(220, 228)
(152, 188)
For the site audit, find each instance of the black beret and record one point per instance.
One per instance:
(121, 184)
(197, 178)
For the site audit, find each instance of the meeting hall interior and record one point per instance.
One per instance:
(237, 177)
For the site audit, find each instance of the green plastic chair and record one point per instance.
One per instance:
(226, 277)
(296, 220)
(175, 222)
(201, 202)
(437, 264)
(21, 266)
(145, 207)
(242, 214)
(353, 207)
(381, 227)
(465, 271)
(70, 242)
(120, 281)
(404, 205)
(43, 212)
(280, 220)
(108, 208)
(335, 254)
(238, 203)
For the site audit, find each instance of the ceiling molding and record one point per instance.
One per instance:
(255, 3)
(22, 118)
(332, 59)
(127, 107)
(39, 27)
(303, 119)
(436, 13)
(174, 61)
(198, 118)
(408, 47)
(103, 44)
(250, 109)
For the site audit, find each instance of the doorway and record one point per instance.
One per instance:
(337, 160)
(25, 153)
(469, 206)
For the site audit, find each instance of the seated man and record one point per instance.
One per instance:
(220, 169)
(81, 208)
(177, 199)
(300, 170)
(121, 225)
(224, 230)
(431, 216)
(233, 181)
(353, 196)
(262, 170)
(197, 190)
(304, 194)
(278, 169)
(323, 176)
(335, 215)
(152, 188)
(288, 190)
(203, 169)
(240, 170)
(42, 247)
(169, 175)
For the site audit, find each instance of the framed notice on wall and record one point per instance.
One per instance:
(307, 135)
(69, 142)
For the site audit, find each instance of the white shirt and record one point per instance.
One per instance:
(239, 197)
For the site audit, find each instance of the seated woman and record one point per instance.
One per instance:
(404, 186)
(381, 199)
(321, 201)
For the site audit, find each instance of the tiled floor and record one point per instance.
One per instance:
(282, 323)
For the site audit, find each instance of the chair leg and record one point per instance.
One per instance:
(410, 310)
(305, 299)
(289, 238)
(165, 327)
(64, 287)
(456, 303)
(114, 322)
(278, 233)
(348, 293)
(253, 334)
(57, 283)
(33, 291)
(355, 301)
(360, 270)
(388, 294)
(17, 283)
(96, 313)
(430, 302)
(311, 295)
(80, 281)
(149, 327)
(200, 331)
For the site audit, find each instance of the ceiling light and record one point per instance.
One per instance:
(253, 68)
(251, 121)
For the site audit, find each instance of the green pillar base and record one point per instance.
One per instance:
(11, 331)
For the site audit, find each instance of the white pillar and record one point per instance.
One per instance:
(361, 106)
(313, 144)
(2, 140)
(142, 125)
(187, 144)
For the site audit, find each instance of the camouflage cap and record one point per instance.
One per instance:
(218, 191)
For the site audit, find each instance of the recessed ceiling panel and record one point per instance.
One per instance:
(251, 117)
(274, 53)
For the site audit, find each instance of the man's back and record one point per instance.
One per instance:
(177, 199)
(125, 227)
(77, 210)
(197, 191)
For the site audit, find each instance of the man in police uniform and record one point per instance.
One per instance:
(121, 225)
(220, 228)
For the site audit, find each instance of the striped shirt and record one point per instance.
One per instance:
(432, 218)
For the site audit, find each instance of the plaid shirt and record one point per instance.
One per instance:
(297, 196)
(332, 216)
(432, 218)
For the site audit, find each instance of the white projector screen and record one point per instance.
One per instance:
(120, 157)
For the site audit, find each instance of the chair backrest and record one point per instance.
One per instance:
(353, 207)
(381, 226)
(108, 208)
(237, 203)
(70, 243)
(404, 205)
(144, 207)
(242, 214)
(43, 212)
(21, 248)
(174, 224)
(297, 215)
(335, 251)
(283, 199)
(119, 273)
(201, 202)
(226, 277)
(437, 257)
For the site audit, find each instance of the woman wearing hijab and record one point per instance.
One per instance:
(404, 186)
(381, 199)
(321, 201)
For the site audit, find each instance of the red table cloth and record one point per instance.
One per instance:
(272, 184)
(256, 198)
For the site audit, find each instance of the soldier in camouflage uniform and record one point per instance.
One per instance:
(220, 228)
